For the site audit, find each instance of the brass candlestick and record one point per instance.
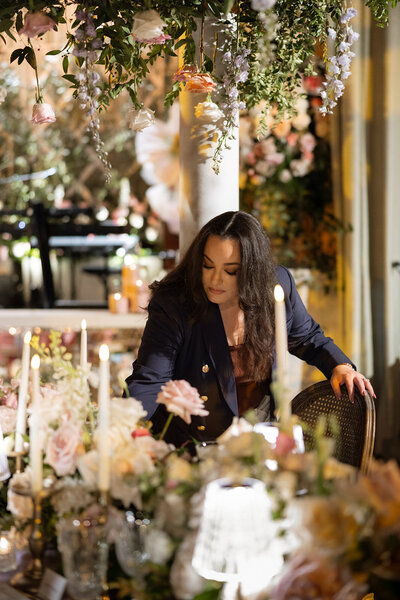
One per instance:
(19, 465)
(29, 580)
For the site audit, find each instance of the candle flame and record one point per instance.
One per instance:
(83, 324)
(4, 544)
(278, 293)
(35, 362)
(117, 296)
(139, 283)
(27, 337)
(104, 352)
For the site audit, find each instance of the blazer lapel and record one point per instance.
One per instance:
(217, 347)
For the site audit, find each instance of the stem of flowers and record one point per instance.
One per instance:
(39, 97)
(201, 45)
(167, 423)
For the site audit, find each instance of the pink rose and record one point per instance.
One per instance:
(307, 142)
(36, 23)
(64, 448)
(284, 444)
(42, 113)
(8, 419)
(181, 399)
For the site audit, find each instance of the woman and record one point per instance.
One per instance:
(211, 322)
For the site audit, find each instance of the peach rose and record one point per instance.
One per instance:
(181, 399)
(42, 113)
(36, 23)
(64, 448)
(201, 83)
(185, 73)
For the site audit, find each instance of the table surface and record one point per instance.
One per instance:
(61, 319)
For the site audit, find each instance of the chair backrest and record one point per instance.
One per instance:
(356, 421)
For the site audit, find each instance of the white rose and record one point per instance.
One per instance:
(141, 118)
(238, 427)
(262, 4)
(300, 167)
(126, 412)
(301, 121)
(158, 546)
(208, 112)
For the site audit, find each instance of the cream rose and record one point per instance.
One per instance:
(208, 112)
(42, 113)
(64, 448)
(126, 412)
(148, 28)
(140, 118)
(19, 505)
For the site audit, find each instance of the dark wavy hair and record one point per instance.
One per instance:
(256, 280)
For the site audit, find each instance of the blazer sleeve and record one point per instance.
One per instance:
(161, 340)
(306, 340)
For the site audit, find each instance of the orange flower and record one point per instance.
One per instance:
(201, 83)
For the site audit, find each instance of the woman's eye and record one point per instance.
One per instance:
(207, 267)
(232, 272)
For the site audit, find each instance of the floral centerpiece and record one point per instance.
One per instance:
(266, 48)
(335, 533)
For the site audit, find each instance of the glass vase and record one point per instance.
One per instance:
(84, 550)
(130, 543)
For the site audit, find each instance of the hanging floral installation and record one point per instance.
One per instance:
(266, 48)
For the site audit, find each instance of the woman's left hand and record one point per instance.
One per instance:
(345, 375)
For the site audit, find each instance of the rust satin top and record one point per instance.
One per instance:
(249, 393)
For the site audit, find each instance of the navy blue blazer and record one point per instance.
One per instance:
(173, 347)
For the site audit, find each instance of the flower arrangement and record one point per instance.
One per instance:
(285, 179)
(338, 539)
(266, 48)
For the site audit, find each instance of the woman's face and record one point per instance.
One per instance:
(221, 264)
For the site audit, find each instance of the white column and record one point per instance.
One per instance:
(202, 193)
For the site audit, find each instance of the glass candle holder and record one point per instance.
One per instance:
(8, 553)
(84, 550)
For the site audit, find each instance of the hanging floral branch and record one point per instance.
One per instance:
(267, 50)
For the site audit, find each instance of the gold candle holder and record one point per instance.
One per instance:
(19, 464)
(29, 580)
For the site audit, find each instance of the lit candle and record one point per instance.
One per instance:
(4, 545)
(35, 449)
(118, 304)
(20, 428)
(281, 352)
(104, 419)
(83, 344)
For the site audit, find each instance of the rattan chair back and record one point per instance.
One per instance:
(356, 421)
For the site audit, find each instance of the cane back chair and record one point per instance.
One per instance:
(356, 421)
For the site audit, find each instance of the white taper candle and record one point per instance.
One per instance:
(35, 450)
(281, 352)
(20, 428)
(83, 361)
(104, 419)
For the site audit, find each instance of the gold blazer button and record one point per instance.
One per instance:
(201, 427)
(205, 368)
(204, 398)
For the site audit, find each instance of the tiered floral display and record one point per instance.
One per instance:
(335, 534)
